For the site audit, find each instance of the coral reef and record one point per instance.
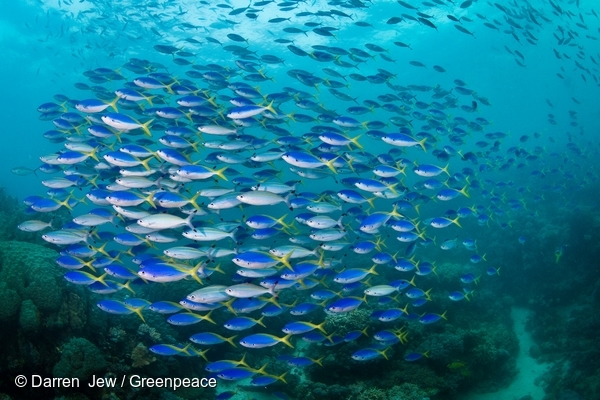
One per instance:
(73, 312)
(145, 329)
(10, 300)
(30, 270)
(80, 358)
(342, 323)
(29, 318)
(443, 347)
(141, 356)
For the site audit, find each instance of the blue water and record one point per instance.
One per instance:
(546, 108)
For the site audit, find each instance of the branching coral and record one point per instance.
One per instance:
(141, 356)
(145, 329)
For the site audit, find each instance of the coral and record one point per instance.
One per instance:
(419, 375)
(443, 347)
(30, 270)
(322, 391)
(145, 329)
(491, 343)
(73, 311)
(342, 323)
(373, 393)
(116, 333)
(10, 301)
(449, 273)
(29, 319)
(141, 356)
(80, 358)
(407, 391)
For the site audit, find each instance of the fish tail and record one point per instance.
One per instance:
(427, 295)
(405, 309)
(101, 249)
(396, 214)
(392, 189)
(127, 285)
(194, 272)
(281, 221)
(93, 154)
(202, 353)
(150, 199)
(422, 144)
(243, 361)
(380, 243)
(145, 127)
(208, 318)
(193, 200)
(285, 260)
(403, 337)
(138, 311)
(65, 203)
(259, 321)
(467, 295)
(188, 220)
(445, 169)
(455, 221)
(286, 340)
(220, 173)
(370, 201)
(282, 377)
(228, 305)
(145, 163)
(113, 103)
(383, 353)
(211, 100)
(261, 370)
(149, 243)
(273, 299)
(230, 340)
(89, 265)
(218, 269)
(331, 166)
(355, 141)
(464, 191)
(320, 327)
(149, 99)
(372, 270)
(270, 107)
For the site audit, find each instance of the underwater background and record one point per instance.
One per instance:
(316, 200)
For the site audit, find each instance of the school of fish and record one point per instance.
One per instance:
(283, 191)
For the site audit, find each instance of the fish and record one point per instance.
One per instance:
(369, 354)
(260, 340)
